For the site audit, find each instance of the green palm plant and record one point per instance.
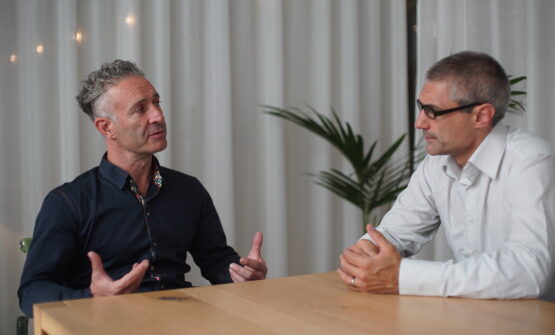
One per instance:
(372, 182)
(516, 106)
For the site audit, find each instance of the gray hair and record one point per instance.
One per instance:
(475, 77)
(99, 81)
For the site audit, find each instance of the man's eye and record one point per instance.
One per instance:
(429, 109)
(157, 103)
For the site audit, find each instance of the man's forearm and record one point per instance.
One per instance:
(44, 291)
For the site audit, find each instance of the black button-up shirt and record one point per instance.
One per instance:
(99, 211)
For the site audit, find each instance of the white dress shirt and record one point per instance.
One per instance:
(498, 213)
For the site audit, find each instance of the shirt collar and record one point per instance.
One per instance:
(489, 153)
(119, 177)
(486, 158)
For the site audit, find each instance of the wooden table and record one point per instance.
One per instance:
(309, 304)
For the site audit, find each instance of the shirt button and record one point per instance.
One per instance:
(152, 268)
(154, 243)
(162, 286)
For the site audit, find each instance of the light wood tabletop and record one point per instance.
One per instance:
(309, 304)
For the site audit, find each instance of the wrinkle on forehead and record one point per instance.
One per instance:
(130, 90)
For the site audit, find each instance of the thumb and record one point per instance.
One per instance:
(380, 240)
(96, 263)
(256, 245)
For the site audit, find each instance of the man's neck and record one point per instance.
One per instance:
(139, 168)
(463, 158)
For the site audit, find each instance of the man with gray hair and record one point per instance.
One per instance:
(127, 224)
(492, 188)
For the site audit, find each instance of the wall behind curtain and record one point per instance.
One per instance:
(518, 33)
(214, 63)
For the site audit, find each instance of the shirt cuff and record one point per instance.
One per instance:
(417, 277)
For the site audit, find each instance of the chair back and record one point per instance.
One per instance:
(22, 323)
(25, 244)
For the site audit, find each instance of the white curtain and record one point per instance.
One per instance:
(518, 33)
(214, 63)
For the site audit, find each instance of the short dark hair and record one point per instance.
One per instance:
(99, 81)
(475, 77)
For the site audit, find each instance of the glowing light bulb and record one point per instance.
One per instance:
(78, 37)
(13, 58)
(40, 49)
(130, 20)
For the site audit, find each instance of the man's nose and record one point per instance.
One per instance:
(422, 121)
(156, 114)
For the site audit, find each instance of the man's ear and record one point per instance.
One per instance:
(104, 126)
(483, 115)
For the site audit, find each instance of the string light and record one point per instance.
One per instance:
(13, 58)
(40, 49)
(78, 37)
(130, 20)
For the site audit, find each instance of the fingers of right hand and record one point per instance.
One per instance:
(368, 247)
(378, 237)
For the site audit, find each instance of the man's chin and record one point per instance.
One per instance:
(432, 151)
(159, 147)
(163, 147)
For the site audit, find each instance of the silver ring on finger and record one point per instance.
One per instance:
(353, 281)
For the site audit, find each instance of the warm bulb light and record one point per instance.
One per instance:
(40, 48)
(13, 58)
(130, 20)
(78, 37)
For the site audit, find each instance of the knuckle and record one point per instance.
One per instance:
(366, 264)
(364, 278)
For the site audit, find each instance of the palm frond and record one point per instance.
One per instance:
(371, 183)
(515, 105)
(384, 159)
(515, 80)
(341, 185)
(337, 133)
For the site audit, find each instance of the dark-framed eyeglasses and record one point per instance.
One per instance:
(432, 114)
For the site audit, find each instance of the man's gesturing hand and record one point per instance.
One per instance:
(371, 268)
(103, 285)
(254, 266)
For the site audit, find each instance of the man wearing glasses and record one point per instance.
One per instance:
(491, 187)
